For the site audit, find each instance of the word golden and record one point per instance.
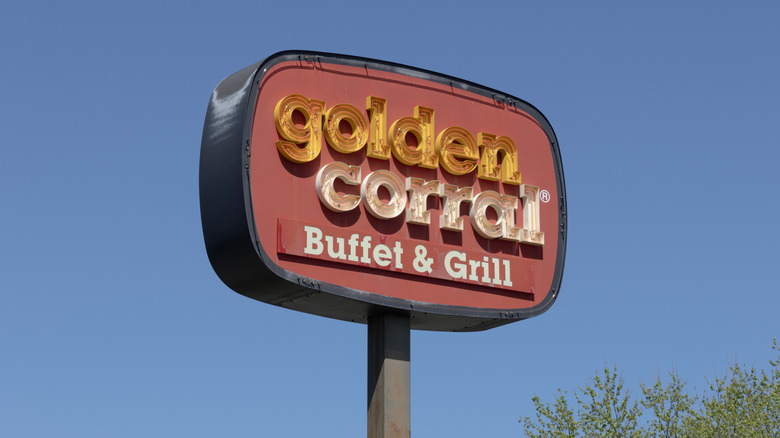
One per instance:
(454, 148)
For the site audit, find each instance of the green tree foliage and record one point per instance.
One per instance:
(744, 403)
(606, 408)
(669, 406)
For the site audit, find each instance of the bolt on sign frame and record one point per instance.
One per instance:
(343, 186)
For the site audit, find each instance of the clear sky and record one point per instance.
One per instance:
(112, 322)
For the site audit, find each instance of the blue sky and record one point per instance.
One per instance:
(113, 323)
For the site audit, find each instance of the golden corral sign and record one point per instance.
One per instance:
(343, 186)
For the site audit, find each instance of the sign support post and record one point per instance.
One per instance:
(389, 382)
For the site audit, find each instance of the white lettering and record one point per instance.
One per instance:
(313, 241)
(496, 278)
(353, 241)
(504, 206)
(366, 245)
(485, 270)
(531, 232)
(339, 254)
(328, 194)
(473, 264)
(419, 190)
(382, 255)
(361, 249)
(453, 196)
(369, 192)
(455, 270)
(398, 251)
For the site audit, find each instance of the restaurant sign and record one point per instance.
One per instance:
(345, 186)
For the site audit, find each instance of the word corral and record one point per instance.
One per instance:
(504, 206)
(454, 148)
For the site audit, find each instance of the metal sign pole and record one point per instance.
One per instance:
(388, 376)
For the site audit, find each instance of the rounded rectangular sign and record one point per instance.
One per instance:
(343, 186)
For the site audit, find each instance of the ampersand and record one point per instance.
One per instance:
(421, 262)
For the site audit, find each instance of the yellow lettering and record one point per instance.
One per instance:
(358, 126)
(300, 122)
(303, 143)
(489, 167)
(377, 145)
(458, 150)
(421, 127)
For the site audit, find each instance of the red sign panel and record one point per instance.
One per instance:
(359, 186)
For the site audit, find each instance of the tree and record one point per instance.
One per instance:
(556, 421)
(744, 403)
(604, 406)
(670, 406)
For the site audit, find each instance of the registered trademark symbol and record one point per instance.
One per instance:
(544, 195)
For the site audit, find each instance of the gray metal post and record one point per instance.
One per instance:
(388, 376)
